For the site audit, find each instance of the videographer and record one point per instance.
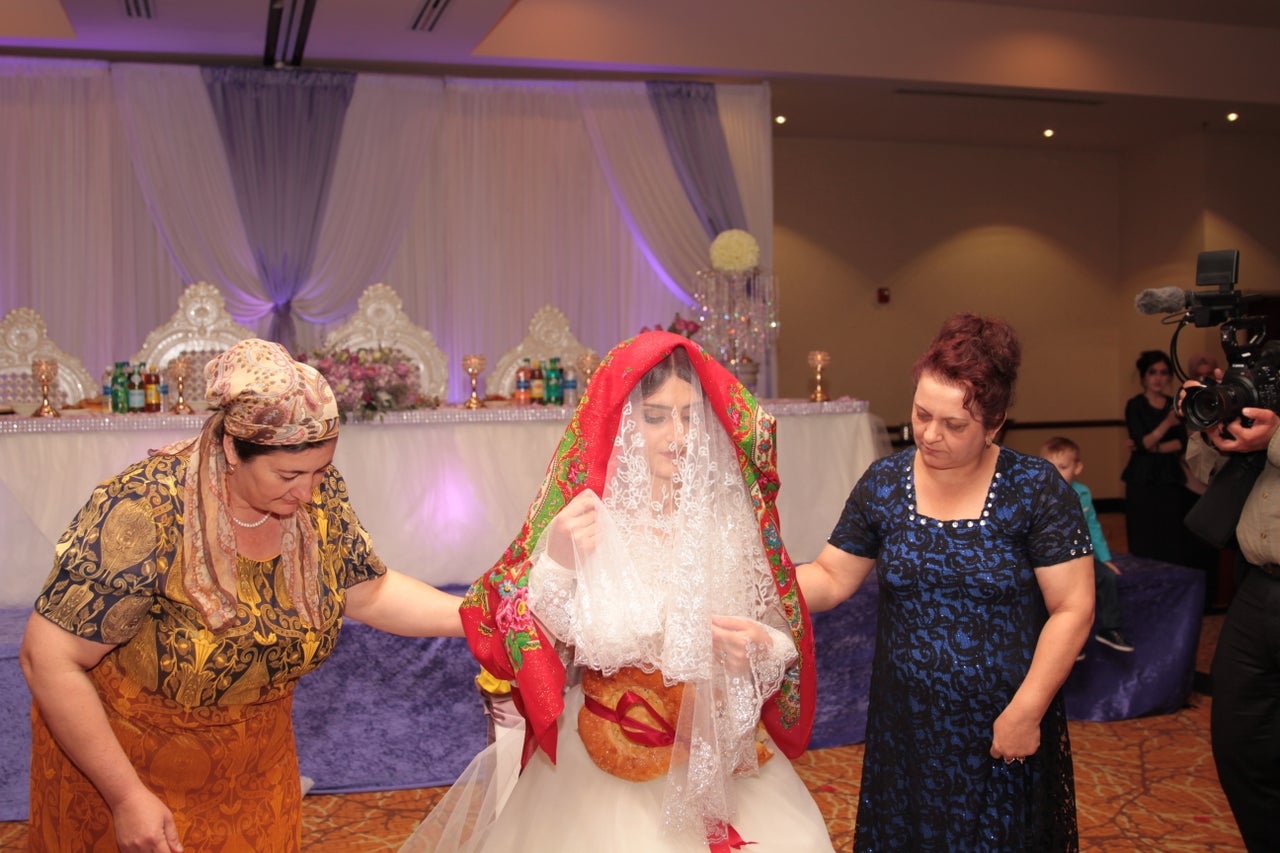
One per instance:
(1245, 718)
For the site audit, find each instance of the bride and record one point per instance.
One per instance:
(649, 620)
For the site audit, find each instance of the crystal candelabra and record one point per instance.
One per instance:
(45, 371)
(474, 366)
(818, 359)
(180, 372)
(739, 318)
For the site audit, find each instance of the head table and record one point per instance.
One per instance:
(441, 491)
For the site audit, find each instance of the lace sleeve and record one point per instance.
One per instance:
(551, 596)
(769, 664)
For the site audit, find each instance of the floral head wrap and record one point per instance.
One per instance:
(505, 638)
(260, 395)
(268, 398)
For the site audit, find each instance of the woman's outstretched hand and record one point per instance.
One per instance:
(736, 641)
(575, 531)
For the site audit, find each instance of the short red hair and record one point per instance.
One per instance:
(980, 355)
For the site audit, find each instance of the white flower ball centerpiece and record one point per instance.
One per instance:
(734, 251)
(735, 304)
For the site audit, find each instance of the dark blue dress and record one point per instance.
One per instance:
(960, 613)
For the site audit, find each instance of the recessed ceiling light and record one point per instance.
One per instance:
(1232, 116)
(1048, 132)
(779, 119)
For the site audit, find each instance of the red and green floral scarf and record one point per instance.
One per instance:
(500, 630)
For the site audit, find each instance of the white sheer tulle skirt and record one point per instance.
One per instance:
(574, 805)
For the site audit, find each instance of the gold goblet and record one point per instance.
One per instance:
(180, 372)
(818, 359)
(474, 366)
(45, 371)
(587, 363)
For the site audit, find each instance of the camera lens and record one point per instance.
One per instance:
(1203, 407)
(1217, 403)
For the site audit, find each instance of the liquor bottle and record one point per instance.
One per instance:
(553, 386)
(537, 385)
(151, 389)
(137, 394)
(523, 374)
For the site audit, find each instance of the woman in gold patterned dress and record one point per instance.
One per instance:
(186, 599)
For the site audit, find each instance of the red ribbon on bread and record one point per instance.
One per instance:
(634, 730)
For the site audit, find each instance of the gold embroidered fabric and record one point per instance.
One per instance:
(117, 579)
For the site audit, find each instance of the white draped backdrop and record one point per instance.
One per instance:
(477, 201)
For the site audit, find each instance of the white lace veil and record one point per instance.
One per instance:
(680, 543)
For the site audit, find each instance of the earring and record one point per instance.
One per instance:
(231, 469)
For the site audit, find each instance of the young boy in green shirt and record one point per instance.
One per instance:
(1064, 454)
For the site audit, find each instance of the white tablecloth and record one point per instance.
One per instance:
(441, 492)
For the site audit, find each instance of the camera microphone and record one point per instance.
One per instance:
(1162, 300)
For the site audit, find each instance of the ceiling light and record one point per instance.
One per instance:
(1232, 116)
(779, 119)
(1048, 132)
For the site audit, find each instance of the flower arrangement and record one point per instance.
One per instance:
(370, 380)
(734, 251)
(679, 325)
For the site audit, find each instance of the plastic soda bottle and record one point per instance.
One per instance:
(136, 393)
(151, 389)
(554, 384)
(523, 372)
(570, 388)
(537, 384)
(120, 389)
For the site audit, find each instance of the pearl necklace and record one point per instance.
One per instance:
(248, 524)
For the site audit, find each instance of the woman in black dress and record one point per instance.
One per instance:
(1155, 497)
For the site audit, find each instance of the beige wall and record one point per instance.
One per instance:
(1057, 242)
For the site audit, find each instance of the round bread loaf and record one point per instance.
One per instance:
(606, 742)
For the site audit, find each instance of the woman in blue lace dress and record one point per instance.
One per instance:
(986, 597)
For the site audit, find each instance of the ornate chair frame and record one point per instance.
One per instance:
(200, 328)
(380, 321)
(24, 336)
(549, 336)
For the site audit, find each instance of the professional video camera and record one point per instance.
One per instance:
(1252, 377)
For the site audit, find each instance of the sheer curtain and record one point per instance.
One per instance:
(281, 131)
(628, 142)
(695, 138)
(477, 201)
(180, 166)
(520, 216)
(76, 241)
(390, 136)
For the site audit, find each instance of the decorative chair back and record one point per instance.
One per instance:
(200, 329)
(24, 336)
(549, 336)
(380, 321)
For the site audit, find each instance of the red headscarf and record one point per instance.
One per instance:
(500, 630)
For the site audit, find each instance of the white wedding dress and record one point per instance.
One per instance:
(671, 554)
